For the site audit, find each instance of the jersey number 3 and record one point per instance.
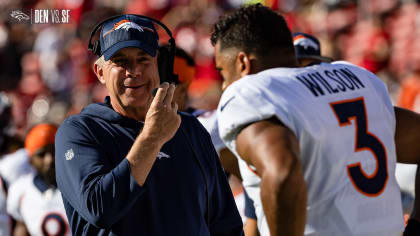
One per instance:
(374, 184)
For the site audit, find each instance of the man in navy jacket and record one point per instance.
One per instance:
(133, 165)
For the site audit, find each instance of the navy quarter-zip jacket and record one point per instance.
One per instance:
(102, 198)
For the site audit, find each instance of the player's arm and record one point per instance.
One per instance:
(273, 150)
(250, 225)
(20, 229)
(229, 162)
(407, 138)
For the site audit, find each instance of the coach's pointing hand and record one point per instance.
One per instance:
(162, 120)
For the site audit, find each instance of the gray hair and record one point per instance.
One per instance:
(100, 61)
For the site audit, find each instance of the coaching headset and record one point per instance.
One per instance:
(166, 59)
(166, 55)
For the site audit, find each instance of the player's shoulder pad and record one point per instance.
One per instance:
(22, 183)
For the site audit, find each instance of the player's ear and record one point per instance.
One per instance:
(244, 64)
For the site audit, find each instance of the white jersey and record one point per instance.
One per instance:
(406, 178)
(12, 166)
(5, 221)
(344, 121)
(39, 207)
(15, 165)
(209, 121)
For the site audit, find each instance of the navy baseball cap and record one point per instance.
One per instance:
(307, 46)
(128, 31)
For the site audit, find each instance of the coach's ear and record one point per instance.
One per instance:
(99, 72)
(244, 63)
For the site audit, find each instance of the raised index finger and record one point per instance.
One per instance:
(169, 95)
(161, 93)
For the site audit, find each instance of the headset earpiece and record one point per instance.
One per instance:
(166, 64)
(163, 64)
(96, 49)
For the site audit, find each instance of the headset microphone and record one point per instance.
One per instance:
(154, 92)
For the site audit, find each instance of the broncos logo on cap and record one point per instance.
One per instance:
(305, 42)
(126, 24)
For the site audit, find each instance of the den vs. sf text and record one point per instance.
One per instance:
(46, 16)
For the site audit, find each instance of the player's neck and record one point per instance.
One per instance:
(274, 62)
(49, 180)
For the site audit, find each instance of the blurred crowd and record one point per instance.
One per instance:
(47, 70)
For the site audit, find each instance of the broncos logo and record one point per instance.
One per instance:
(19, 15)
(126, 24)
(305, 42)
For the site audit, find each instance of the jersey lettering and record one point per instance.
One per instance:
(330, 82)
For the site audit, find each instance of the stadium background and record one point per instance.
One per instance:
(46, 68)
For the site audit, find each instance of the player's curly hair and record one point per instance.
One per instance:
(254, 29)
